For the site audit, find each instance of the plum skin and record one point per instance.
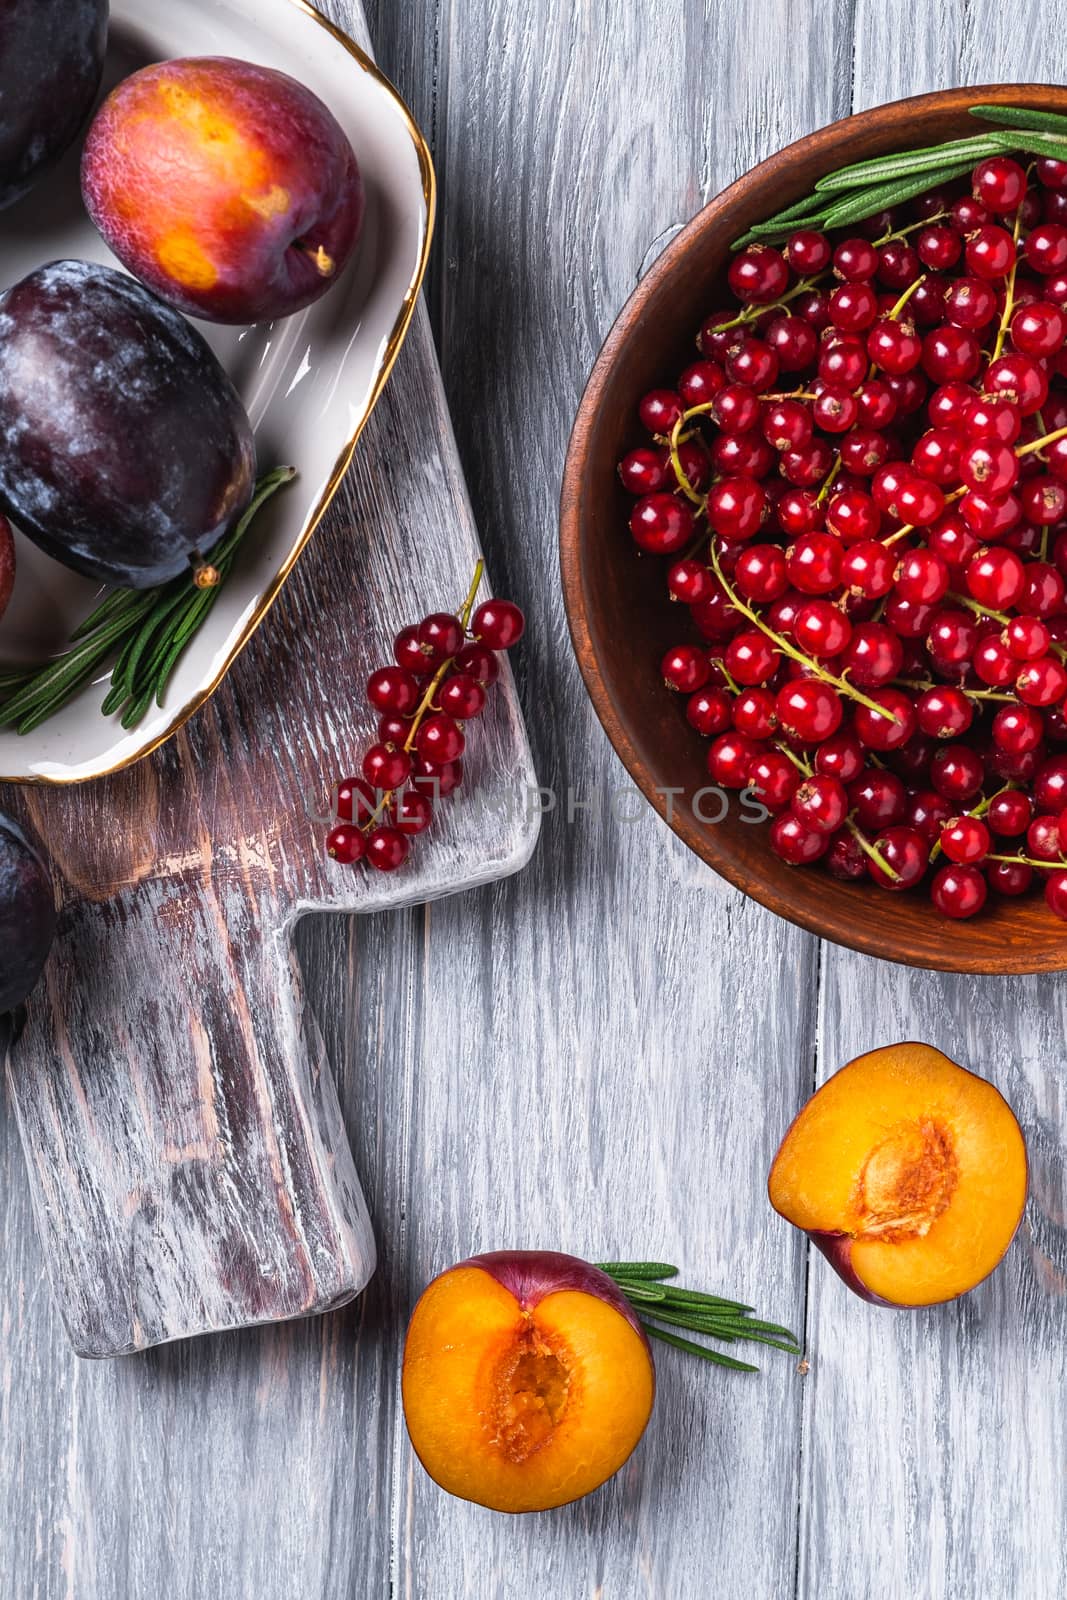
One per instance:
(228, 188)
(7, 563)
(531, 1275)
(125, 451)
(51, 63)
(27, 915)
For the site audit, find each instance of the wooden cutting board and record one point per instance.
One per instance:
(189, 1165)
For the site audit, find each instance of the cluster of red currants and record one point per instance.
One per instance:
(862, 484)
(443, 668)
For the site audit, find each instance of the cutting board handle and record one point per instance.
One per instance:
(188, 1159)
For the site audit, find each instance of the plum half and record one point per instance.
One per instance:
(908, 1172)
(27, 915)
(527, 1379)
(125, 451)
(51, 63)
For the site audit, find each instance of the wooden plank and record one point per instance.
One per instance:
(631, 1031)
(933, 1441)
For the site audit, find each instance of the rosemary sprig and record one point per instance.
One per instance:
(661, 1306)
(145, 631)
(863, 188)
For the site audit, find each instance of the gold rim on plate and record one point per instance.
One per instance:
(344, 460)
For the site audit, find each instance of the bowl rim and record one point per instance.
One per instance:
(852, 933)
(392, 348)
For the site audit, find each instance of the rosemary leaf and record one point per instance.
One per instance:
(638, 1269)
(1036, 144)
(883, 168)
(142, 632)
(881, 197)
(697, 1349)
(1020, 117)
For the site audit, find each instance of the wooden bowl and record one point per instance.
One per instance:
(621, 620)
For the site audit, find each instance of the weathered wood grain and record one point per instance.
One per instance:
(632, 1034)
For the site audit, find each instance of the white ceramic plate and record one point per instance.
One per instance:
(309, 382)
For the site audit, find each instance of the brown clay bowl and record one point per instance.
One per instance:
(621, 620)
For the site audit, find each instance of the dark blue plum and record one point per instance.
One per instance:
(125, 451)
(51, 61)
(27, 915)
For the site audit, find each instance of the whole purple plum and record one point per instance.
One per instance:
(125, 451)
(51, 62)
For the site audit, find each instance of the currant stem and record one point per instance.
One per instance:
(1031, 861)
(753, 313)
(905, 297)
(842, 685)
(871, 850)
(1039, 444)
(426, 702)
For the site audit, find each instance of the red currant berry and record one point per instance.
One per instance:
(808, 252)
(853, 307)
(845, 859)
(874, 655)
(809, 711)
(927, 812)
(464, 697)
(853, 516)
(393, 689)
(906, 854)
(499, 624)
(414, 812)
(988, 465)
(966, 214)
(1000, 184)
(891, 726)
(959, 892)
(1056, 893)
(438, 779)
(814, 563)
(700, 383)
(1043, 840)
(822, 629)
(1045, 249)
(385, 768)
(794, 341)
(877, 404)
(1018, 729)
(345, 844)
(709, 712)
(407, 653)
(965, 840)
(761, 572)
(944, 712)
(729, 758)
(751, 657)
(867, 569)
(479, 662)
(894, 346)
(1009, 877)
(1010, 814)
(659, 410)
(737, 507)
(1044, 501)
(898, 265)
(357, 801)
(645, 470)
(864, 450)
(1020, 379)
(841, 756)
(1042, 682)
(939, 248)
(951, 354)
(834, 409)
(387, 849)
(795, 843)
(821, 803)
(956, 772)
(878, 799)
(758, 275)
(1039, 328)
(773, 780)
(995, 577)
(937, 456)
(990, 252)
(922, 576)
(440, 739)
(754, 713)
(440, 636)
(685, 668)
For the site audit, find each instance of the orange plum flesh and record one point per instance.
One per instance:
(527, 1379)
(908, 1172)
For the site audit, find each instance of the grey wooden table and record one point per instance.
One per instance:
(601, 1053)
